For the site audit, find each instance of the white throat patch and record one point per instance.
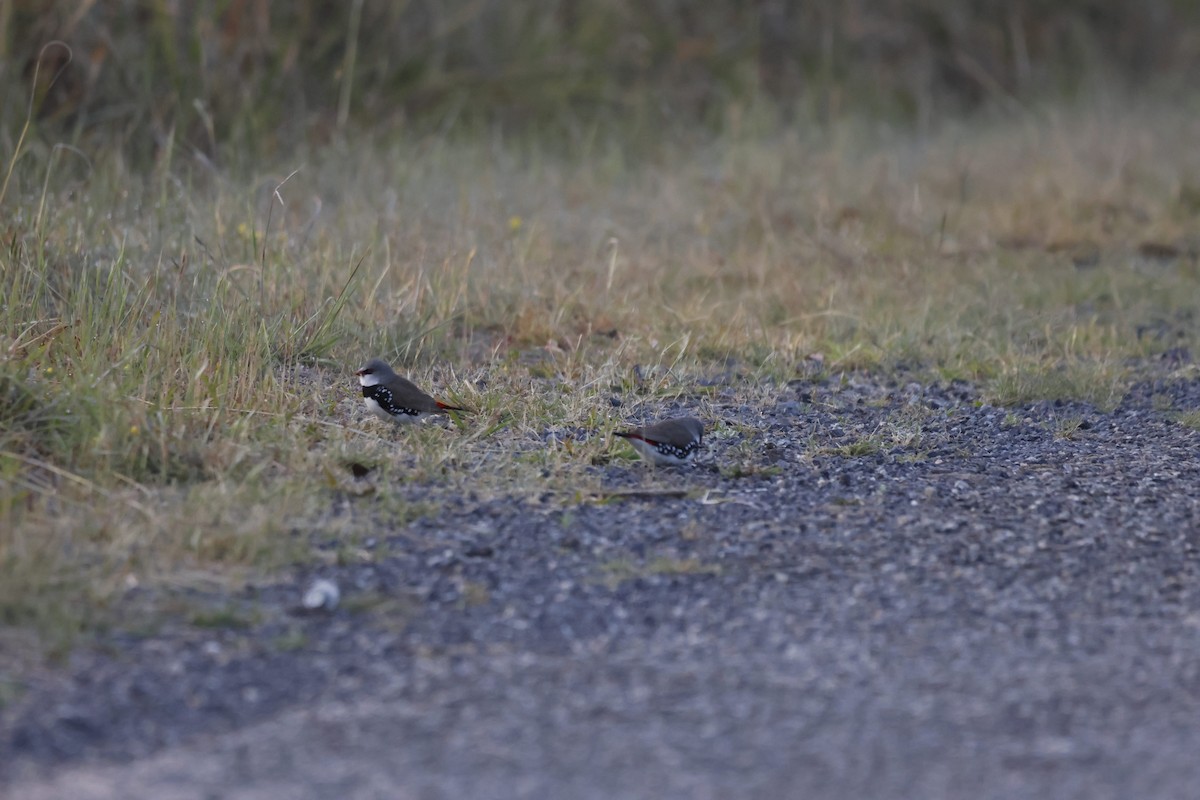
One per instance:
(368, 380)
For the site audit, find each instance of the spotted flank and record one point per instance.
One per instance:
(671, 441)
(383, 403)
(667, 450)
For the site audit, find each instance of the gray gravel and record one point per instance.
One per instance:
(993, 603)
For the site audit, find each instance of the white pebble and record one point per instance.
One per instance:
(322, 594)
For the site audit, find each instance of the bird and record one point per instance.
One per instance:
(395, 398)
(672, 441)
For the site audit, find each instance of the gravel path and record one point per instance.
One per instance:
(975, 603)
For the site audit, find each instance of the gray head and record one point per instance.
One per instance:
(376, 370)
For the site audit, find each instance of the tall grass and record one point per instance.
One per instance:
(221, 77)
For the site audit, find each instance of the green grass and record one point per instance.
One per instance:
(1190, 419)
(227, 618)
(621, 570)
(291, 640)
(857, 448)
(177, 402)
(1068, 427)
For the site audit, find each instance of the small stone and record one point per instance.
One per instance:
(322, 594)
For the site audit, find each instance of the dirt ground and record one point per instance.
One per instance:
(905, 593)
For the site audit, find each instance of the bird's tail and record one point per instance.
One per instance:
(445, 407)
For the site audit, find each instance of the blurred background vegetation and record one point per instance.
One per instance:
(257, 74)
